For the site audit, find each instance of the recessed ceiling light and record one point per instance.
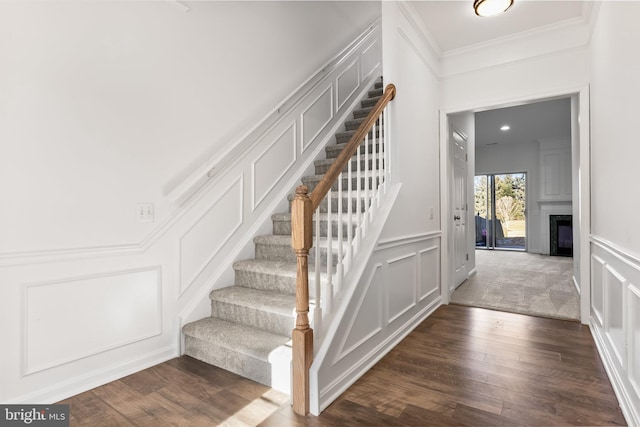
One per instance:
(505, 128)
(491, 7)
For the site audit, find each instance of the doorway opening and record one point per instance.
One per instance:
(500, 211)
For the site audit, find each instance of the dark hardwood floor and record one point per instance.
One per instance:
(461, 366)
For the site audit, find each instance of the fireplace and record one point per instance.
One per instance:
(560, 235)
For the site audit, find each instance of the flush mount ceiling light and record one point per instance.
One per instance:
(505, 128)
(491, 7)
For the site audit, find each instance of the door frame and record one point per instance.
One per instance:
(581, 201)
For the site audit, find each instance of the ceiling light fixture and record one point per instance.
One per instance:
(491, 7)
(505, 128)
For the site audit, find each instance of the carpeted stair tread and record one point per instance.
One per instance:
(344, 137)
(375, 93)
(355, 123)
(242, 339)
(323, 217)
(272, 302)
(284, 268)
(370, 102)
(362, 112)
(335, 149)
(275, 239)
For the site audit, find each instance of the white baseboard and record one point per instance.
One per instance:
(630, 412)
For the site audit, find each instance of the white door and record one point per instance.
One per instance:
(460, 246)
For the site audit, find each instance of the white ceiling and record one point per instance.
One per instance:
(530, 122)
(454, 25)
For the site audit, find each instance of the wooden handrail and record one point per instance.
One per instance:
(302, 208)
(347, 153)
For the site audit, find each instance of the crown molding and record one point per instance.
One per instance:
(571, 23)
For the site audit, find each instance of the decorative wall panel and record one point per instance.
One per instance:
(73, 318)
(614, 311)
(367, 319)
(208, 235)
(370, 59)
(429, 273)
(634, 337)
(597, 290)
(347, 83)
(275, 161)
(316, 117)
(401, 298)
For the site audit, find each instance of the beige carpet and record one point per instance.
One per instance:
(521, 282)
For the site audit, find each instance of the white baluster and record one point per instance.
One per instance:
(387, 163)
(379, 158)
(317, 313)
(350, 216)
(358, 201)
(374, 201)
(340, 265)
(328, 290)
(365, 221)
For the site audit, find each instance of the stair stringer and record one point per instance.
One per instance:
(345, 353)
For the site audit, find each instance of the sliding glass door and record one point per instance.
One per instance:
(500, 211)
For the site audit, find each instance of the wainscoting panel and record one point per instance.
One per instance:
(317, 117)
(273, 164)
(370, 59)
(597, 288)
(347, 83)
(617, 271)
(206, 237)
(614, 311)
(402, 285)
(73, 318)
(633, 308)
(396, 273)
(429, 274)
(367, 319)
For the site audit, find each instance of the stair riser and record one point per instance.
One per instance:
(241, 364)
(345, 205)
(355, 124)
(270, 282)
(369, 102)
(332, 151)
(322, 168)
(358, 114)
(375, 92)
(370, 183)
(275, 252)
(272, 322)
(343, 138)
(283, 228)
(266, 281)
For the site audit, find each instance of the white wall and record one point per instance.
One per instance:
(410, 65)
(522, 80)
(111, 103)
(106, 104)
(615, 267)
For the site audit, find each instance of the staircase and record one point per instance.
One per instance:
(249, 330)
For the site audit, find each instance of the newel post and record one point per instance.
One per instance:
(302, 335)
